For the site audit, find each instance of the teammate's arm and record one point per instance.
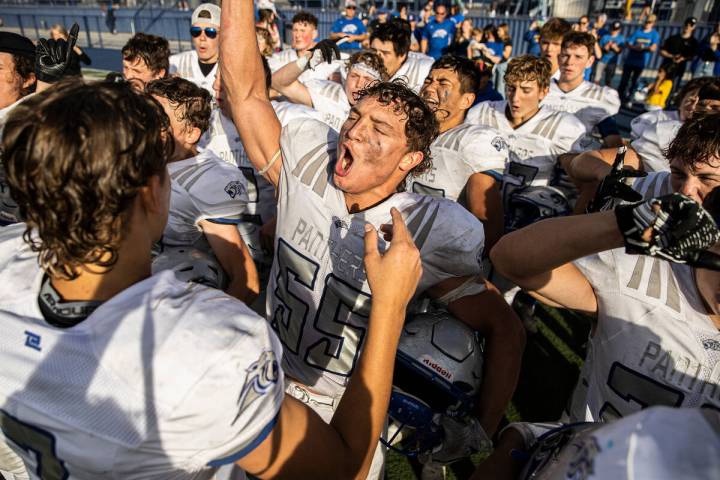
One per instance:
(301, 445)
(489, 314)
(285, 81)
(485, 202)
(235, 259)
(538, 258)
(243, 80)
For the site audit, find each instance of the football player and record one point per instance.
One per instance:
(152, 377)
(200, 64)
(468, 160)
(551, 36)
(655, 336)
(391, 40)
(332, 99)
(537, 137)
(304, 33)
(209, 197)
(145, 58)
(594, 105)
(328, 186)
(17, 70)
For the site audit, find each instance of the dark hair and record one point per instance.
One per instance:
(554, 29)
(75, 157)
(669, 68)
(25, 67)
(393, 32)
(268, 72)
(192, 104)
(421, 127)
(153, 50)
(710, 90)
(692, 85)
(490, 28)
(371, 59)
(581, 39)
(528, 68)
(265, 14)
(466, 70)
(265, 33)
(305, 17)
(697, 141)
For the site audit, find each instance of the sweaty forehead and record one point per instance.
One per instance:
(378, 111)
(709, 167)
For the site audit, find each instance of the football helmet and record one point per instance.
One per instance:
(438, 373)
(191, 265)
(533, 204)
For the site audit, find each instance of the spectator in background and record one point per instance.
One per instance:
(709, 57)
(532, 37)
(391, 41)
(583, 24)
(415, 33)
(503, 32)
(463, 37)
(659, 90)
(456, 15)
(680, 48)
(381, 17)
(349, 27)
(476, 46)
(17, 70)
(495, 47)
(486, 91)
(59, 32)
(267, 19)
(146, 58)
(640, 47)
(438, 34)
(611, 45)
(599, 28)
(265, 43)
(199, 65)
(551, 37)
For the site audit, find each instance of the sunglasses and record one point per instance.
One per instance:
(210, 32)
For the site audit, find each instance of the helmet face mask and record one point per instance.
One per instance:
(532, 204)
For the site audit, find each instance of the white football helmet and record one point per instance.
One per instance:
(533, 204)
(191, 265)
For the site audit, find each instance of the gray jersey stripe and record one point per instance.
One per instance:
(654, 283)
(305, 159)
(422, 235)
(650, 188)
(197, 177)
(555, 126)
(312, 170)
(322, 182)
(462, 133)
(414, 223)
(175, 175)
(673, 296)
(189, 174)
(636, 276)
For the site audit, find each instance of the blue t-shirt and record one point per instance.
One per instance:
(351, 26)
(487, 94)
(532, 37)
(611, 56)
(439, 37)
(497, 48)
(645, 39)
(457, 19)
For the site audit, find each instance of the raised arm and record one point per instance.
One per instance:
(286, 82)
(243, 80)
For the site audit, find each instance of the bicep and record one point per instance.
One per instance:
(226, 243)
(565, 287)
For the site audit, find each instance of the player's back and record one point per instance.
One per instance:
(152, 383)
(589, 102)
(414, 71)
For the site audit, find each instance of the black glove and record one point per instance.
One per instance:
(52, 57)
(613, 186)
(325, 51)
(681, 230)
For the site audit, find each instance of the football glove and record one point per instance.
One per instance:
(614, 187)
(680, 230)
(52, 57)
(325, 51)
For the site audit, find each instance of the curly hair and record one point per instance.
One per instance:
(192, 104)
(265, 34)
(697, 142)
(691, 86)
(394, 33)
(421, 127)
(371, 59)
(153, 50)
(305, 17)
(580, 39)
(25, 67)
(554, 29)
(466, 70)
(528, 68)
(75, 157)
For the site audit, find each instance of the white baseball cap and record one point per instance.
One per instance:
(266, 5)
(206, 13)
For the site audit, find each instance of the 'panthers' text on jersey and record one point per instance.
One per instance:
(654, 343)
(651, 133)
(318, 297)
(185, 65)
(456, 155)
(203, 188)
(534, 147)
(166, 379)
(321, 72)
(589, 102)
(329, 98)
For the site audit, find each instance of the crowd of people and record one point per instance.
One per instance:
(280, 262)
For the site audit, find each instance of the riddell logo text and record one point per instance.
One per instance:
(437, 367)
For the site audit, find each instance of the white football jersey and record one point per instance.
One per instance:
(654, 343)
(329, 98)
(320, 298)
(321, 72)
(166, 379)
(456, 155)
(651, 134)
(203, 188)
(534, 147)
(186, 65)
(414, 70)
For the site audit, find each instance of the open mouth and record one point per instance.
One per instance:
(344, 162)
